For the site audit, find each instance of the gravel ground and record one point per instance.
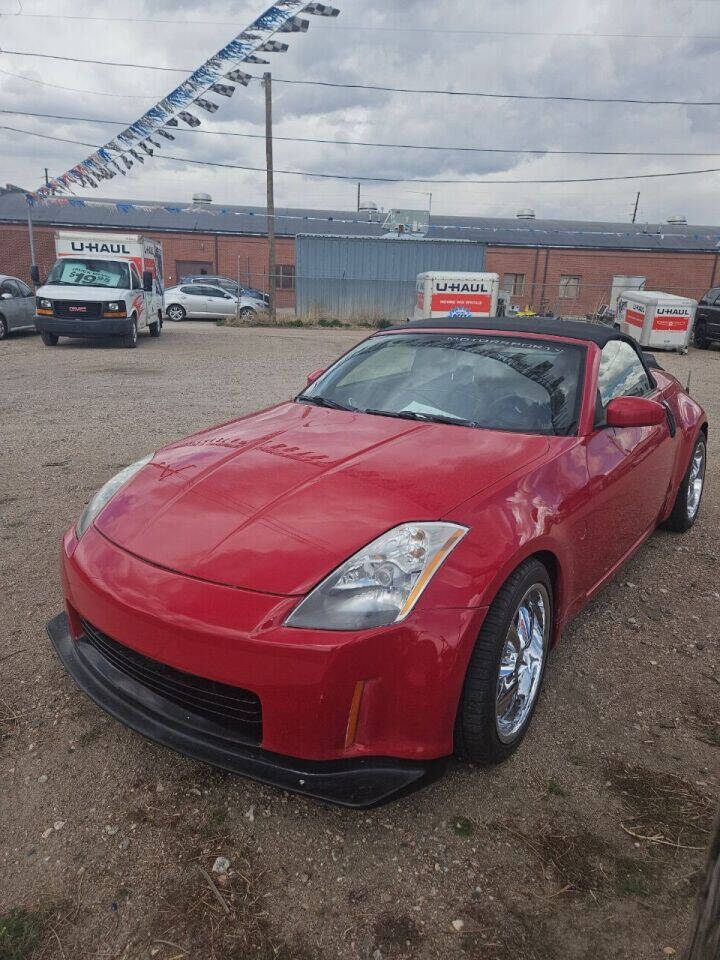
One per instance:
(105, 836)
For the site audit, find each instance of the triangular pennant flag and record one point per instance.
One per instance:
(137, 156)
(223, 89)
(189, 119)
(146, 148)
(164, 133)
(172, 122)
(207, 105)
(128, 163)
(253, 59)
(237, 76)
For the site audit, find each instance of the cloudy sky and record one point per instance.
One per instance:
(410, 43)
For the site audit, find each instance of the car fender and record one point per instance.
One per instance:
(536, 512)
(691, 420)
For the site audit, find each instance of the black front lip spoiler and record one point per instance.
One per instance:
(359, 783)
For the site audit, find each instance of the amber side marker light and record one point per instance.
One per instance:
(44, 313)
(354, 714)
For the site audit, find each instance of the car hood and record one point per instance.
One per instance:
(275, 501)
(62, 291)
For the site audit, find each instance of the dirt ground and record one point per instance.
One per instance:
(587, 844)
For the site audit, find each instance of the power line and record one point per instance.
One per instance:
(522, 34)
(57, 86)
(384, 89)
(356, 177)
(541, 151)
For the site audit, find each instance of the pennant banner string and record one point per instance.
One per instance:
(134, 144)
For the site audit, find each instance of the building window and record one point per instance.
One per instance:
(569, 288)
(514, 283)
(285, 277)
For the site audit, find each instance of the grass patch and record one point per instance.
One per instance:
(635, 878)
(555, 790)
(661, 807)
(21, 932)
(463, 826)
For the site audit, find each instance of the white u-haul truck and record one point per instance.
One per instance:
(101, 285)
(440, 294)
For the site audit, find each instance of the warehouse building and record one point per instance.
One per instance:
(342, 264)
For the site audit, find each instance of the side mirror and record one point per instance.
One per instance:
(147, 281)
(35, 275)
(315, 375)
(635, 412)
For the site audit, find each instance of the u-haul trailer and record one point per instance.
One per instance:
(662, 321)
(439, 293)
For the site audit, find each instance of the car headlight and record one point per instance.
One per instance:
(43, 304)
(106, 493)
(114, 307)
(380, 584)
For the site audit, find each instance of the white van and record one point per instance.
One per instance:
(102, 285)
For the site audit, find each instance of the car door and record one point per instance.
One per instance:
(28, 307)
(193, 299)
(629, 468)
(12, 304)
(219, 303)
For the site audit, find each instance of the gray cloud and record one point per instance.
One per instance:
(331, 50)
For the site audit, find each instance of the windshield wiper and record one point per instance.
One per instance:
(324, 402)
(422, 417)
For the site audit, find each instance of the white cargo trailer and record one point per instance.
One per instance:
(440, 293)
(656, 320)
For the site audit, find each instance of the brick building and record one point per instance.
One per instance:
(564, 266)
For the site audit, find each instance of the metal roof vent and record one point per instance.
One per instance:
(202, 198)
(677, 218)
(526, 214)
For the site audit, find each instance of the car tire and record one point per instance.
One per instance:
(689, 496)
(247, 313)
(175, 312)
(492, 721)
(155, 328)
(3, 328)
(49, 339)
(130, 340)
(701, 337)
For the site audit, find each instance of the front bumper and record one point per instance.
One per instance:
(120, 327)
(412, 675)
(353, 783)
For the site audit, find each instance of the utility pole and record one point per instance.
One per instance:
(637, 201)
(33, 265)
(358, 198)
(47, 178)
(267, 83)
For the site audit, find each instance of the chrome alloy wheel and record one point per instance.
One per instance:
(521, 663)
(696, 480)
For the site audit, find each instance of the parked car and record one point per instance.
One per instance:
(17, 306)
(200, 301)
(707, 319)
(337, 593)
(232, 286)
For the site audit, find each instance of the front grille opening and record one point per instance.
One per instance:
(77, 310)
(237, 711)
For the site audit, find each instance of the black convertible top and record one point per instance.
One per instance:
(597, 333)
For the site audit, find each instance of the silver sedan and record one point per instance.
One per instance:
(17, 306)
(201, 301)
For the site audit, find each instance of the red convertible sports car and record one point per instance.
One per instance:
(337, 593)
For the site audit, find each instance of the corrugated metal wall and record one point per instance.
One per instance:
(363, 278)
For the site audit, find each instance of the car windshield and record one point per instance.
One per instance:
(483, 381)
(80, 272)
